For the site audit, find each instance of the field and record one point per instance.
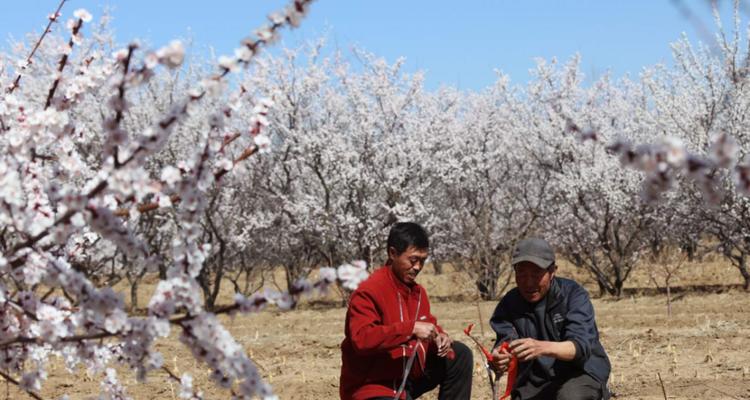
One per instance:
(700, 352)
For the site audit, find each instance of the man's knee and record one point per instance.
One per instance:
(464, 356)
(582, 387)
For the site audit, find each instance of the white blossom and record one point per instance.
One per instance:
(172, 55)
(352, 274)
(263, 142)
(84, 15)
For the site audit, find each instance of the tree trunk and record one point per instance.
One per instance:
(669, 300)
(691, 248)
(134, 295)
(602, 288)
(292, 275)
(211, 299)
(214, 292)
(487, 282)
(438, 267)
(617, 292)
(742, 266)
(608, 288)
(204, 282)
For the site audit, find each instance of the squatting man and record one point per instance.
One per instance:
(393, 346)
(550, 324)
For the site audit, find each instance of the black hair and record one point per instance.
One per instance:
(406, 234)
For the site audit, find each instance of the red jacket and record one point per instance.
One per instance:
(379, 324)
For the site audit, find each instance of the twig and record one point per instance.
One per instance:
(720, 391)
(119, 115)
(661, 382)
(66, 339)
(481, 320)
(622, 342)
(710, 387)
(52, 20)
(699, 26)
(10, 379)
(170, 373)
(61, 65)
(150, 206)
(62, 220)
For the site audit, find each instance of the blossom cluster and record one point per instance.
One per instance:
(661, 163)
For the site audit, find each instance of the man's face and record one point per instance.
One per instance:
(407, 265)
(533, 282)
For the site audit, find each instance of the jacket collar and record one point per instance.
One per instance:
(553, 295)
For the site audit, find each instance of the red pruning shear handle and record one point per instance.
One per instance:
(512, 371)
(512, 367)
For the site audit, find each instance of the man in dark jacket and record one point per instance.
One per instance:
(394, 347)
(550, 325)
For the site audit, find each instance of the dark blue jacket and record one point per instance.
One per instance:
(569, 316)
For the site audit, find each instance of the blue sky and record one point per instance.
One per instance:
(457, 43)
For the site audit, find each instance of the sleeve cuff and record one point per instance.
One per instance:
(578, 359)
(406, 328)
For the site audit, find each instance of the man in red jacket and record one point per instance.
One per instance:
(394, 347)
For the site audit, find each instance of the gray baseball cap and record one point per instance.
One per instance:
(534, 250)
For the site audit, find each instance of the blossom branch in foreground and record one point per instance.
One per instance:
(10, 379)
(75, 27)
(186, 385)
(261, 143)
(661, 161)
(48, 202)
(202, 332)
(52, 19)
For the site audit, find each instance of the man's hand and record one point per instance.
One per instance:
(443, 342)
(500, 360)
(424, 330)
(528, 349)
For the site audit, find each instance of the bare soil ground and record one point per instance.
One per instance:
(700, 352)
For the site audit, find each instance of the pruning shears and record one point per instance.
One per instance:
(492, 376)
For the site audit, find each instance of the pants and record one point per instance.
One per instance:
(453, 376)
(576, 387)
